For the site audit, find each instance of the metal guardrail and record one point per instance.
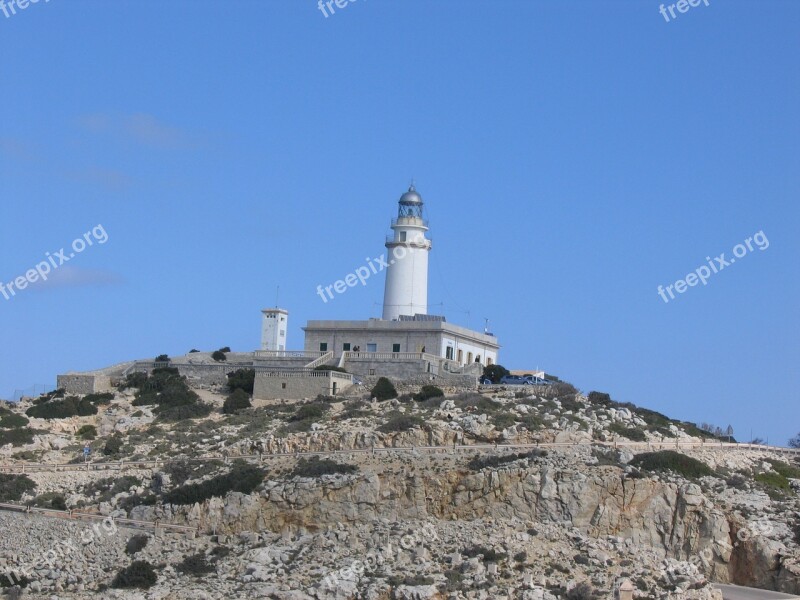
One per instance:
(27, 467)
(76, 515)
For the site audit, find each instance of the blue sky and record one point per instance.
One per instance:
(573, 156)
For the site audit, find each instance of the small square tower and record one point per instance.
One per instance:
(275, 323)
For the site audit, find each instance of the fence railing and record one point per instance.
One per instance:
(320, 361)
(288, 354)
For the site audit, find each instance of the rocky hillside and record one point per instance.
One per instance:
(568, 521)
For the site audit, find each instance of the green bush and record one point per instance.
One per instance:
(599, 398)
(70, 406)
(478, 462)
(133, 380)
(16, 437)
(489, 555)
(87, 432)
(196, 565)
(775, 481)
(317, 467)
(312, 411)
(162, 358)
(102, 398)
(52, 500)
(495, 372)
(219, 356)
(384, 390)
(238, 400)
(785, 469)
(172, 414)
(503, 421)
(243, 379)
(632, 433)
(13, 487)
(400, 423)
(140, 574)
(11, 420)
(582, 591)
(242, 478)
(113, 445)
(182, 471)
(669, 460)
(108, 487)
(427, 392)
(136, 544)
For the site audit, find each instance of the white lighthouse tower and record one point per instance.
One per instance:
(406, 291)
(273, 328)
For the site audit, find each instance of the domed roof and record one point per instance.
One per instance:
(411, 196)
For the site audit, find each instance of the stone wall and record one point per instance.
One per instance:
(296, 386)
(79, 383)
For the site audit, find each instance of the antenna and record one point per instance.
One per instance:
(486, 326)
(277, 293)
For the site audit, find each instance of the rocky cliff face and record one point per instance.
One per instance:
(677, 519)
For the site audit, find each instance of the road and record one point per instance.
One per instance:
(735, 592)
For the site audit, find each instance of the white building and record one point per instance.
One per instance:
(406, 291)
(274, 325)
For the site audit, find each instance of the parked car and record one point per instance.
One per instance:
(514, 380)
(486, 381)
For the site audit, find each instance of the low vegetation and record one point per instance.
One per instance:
(242, 478)
(669, 460)
(427, 392)
(71, 406)
(238, 400)
(384, 390)
(398, 423)
(136, 544)
(317, 467)
(13, 487)
(479, 462)
(169, 392)
(242, 379)
(140, 574)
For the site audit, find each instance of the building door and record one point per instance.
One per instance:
(460, 356)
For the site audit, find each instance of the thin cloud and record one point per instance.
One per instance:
(69, 276)
(139, 127)
(109, 179)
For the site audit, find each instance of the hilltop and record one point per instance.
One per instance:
(612, 492)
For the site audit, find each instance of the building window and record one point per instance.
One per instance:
(488, 361)
(283, 332)
(469, 357)
(448, 353)
(460, 356)
(372, 347)
(402, 236)
(372, 371)
(346, 347)
(323, 346)
(283, 386)
(395, 347)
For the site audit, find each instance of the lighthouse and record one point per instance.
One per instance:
(406, 291)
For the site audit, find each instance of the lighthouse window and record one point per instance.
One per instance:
(402, 236)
